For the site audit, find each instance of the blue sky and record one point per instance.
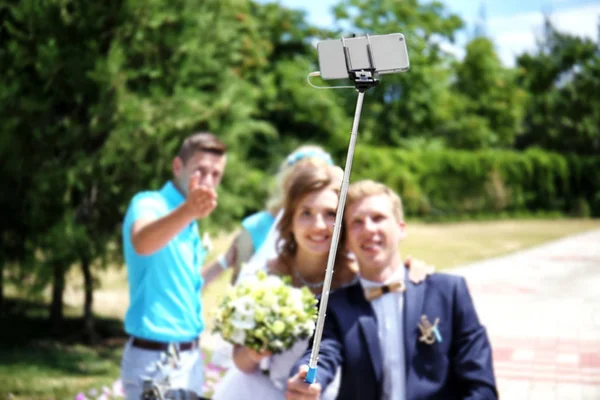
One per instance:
(512, 24)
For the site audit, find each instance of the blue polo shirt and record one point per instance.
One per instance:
(164, 287)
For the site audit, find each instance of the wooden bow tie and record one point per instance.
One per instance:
(375, 292)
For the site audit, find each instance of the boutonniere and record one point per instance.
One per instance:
(429, 332)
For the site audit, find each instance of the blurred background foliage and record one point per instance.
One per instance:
(96, 97)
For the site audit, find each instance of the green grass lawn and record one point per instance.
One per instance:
(450, 245)
(37, 365)
(52, 370)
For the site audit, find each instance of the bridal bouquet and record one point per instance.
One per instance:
(265, 313)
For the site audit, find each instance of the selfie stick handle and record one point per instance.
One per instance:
(363, 80)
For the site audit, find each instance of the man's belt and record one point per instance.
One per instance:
(162, 346)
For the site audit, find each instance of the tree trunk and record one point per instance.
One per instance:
(88, 316)
(1, 288)
(56, 307)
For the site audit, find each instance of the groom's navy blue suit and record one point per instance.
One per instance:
(458, 367)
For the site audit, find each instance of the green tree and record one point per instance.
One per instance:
(54, 119)
(416, 103)
(298, 112)
(494, 102)
(96, 99)
(176, 68)
(562, 78)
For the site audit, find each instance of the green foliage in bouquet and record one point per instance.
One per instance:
(266, 313)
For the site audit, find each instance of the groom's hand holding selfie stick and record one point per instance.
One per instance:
(298, 389)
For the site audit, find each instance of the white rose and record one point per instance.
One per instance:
(277, 344)
(242, 321)
(296, 329)
(295, 300)
(244, 306)
(269, 300)
(238, 336)
(309, 326)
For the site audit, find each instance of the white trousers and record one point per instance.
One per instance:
(139, 364)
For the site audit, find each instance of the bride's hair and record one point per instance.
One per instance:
(302, 155)
(305, 180)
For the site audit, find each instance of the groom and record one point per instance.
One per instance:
(392, 338)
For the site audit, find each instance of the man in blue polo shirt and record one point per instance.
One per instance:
(164, 256)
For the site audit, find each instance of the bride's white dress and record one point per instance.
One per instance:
(268, 385)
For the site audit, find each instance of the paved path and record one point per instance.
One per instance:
(542, 311)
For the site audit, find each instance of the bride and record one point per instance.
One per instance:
(305, 230)
(303, 233)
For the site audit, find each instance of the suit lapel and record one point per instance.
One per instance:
(413, 306)
(368, 325)
(370, 333)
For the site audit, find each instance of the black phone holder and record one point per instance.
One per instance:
(363, 78)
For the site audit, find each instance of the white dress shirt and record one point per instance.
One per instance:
(388, 310)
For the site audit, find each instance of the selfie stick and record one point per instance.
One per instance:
(363, 80)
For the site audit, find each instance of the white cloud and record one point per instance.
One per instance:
(581, 21)
(516, 34)
(510, 45)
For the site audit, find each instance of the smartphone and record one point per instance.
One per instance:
(389, 55)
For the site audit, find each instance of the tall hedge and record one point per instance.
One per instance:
(454, 183)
